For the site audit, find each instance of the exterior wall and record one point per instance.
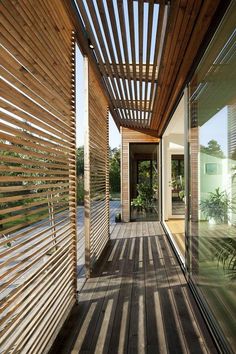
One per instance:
(166, 166)
(96, 172)
(130, 136)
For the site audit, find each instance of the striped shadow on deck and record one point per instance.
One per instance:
(137, 302)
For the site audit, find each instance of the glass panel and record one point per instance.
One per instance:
(177, 184)
(173, 179)
(212, 226)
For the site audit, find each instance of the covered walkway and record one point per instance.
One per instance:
(138, 301)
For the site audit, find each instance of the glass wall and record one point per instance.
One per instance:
(173, 179)
(177, 184)
(212, 182)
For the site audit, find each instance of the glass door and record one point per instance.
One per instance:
(144, 182)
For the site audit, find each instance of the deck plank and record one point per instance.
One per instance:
(137, 301)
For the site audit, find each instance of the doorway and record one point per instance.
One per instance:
(177, 185)
(144, 184)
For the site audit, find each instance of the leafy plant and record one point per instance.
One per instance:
(118, 217)
(145, 196)
(178, 185)
(114, 170)
(80, 190)
(216, 206)
(224, 250)
(138, 202)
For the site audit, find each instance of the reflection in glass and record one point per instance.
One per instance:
(212, 227)
(177, 184)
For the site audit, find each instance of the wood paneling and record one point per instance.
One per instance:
(38, 180)
(130, 136)
(96, 172)
(187, 26)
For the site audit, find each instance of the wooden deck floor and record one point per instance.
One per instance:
(137, 302)
(114, 209)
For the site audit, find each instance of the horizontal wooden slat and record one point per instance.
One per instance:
(33, 280)
(123, 72)
(21, 100)
(31, 133)
(46, 128)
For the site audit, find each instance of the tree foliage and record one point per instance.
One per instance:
(114, 170)
(80, 161)
(213, 149)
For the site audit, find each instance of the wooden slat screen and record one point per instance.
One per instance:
(96, 173)
(37, 178)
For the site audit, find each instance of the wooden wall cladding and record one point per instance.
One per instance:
(37, 180)
(96, 173)
(130, 136)
(187, 27)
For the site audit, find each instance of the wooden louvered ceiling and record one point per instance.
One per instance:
(143, 52)
(127, 40)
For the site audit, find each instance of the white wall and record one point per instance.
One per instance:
(172, 145)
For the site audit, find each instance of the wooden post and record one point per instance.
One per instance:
(72, 166)
(87, 213)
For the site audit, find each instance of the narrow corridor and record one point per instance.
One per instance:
(138, 301)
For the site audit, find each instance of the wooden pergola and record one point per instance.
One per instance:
(143, 52)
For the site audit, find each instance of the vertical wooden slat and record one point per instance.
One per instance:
(72, 164)
(87, 193)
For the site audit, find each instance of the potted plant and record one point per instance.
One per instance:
(216, 207)
(118, 217)
(145, 197)
(178, 186)
(138, 203)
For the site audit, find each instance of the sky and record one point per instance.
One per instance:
(216, 128)
(114, 135)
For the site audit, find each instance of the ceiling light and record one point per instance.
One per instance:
(90, 44)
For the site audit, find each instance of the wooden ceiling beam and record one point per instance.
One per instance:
(121, 83)
(133, 52)
(129, 104)
(159, 43)
(140, 52)
(155, 1)
(143, 72)
(149, 67)
(100, 47)
(125, 48)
